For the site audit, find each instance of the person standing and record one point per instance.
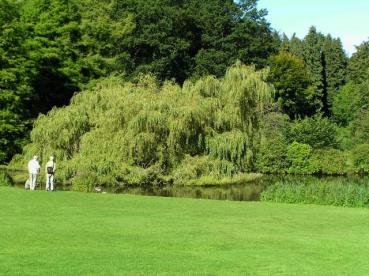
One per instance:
(50, 171)
(33, 170)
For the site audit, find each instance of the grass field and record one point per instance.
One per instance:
(66, 233)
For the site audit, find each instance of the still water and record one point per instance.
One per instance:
(249, 191)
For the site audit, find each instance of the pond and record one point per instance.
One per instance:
(249, 191)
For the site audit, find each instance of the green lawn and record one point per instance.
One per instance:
(66, 233)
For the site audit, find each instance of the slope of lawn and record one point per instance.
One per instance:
(66, 233)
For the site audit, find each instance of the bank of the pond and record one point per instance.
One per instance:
(21, 175)
(330, 190)
(71, 233)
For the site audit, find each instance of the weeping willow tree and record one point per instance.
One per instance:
(143, 133)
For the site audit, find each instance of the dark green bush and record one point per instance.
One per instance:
(349, 100)
(359, 128)
(319, 192)
(5, 179)
(317, 131)
(360, 158)
(331, 161)
(271, 156)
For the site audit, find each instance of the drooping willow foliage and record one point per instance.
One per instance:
(135, 134)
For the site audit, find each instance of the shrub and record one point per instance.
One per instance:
(301, 160)
(331, 161)
(319, 192)
(5, 179)
(271, 156)
(349, 100)
(360, 158)
(360, 128)
(318, 132)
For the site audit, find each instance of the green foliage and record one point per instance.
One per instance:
(326, 62)
(359, 128)
(137, 134)
(301, 159)
(203, 170)
(272, 152)
(335, 63)
(237, 179)
(5, 179)
(12, 129)
(331, 161)
(312, 54)
(291, 79)
(104, 26)
(317, 131)
(349, 101)
(271, 157)
(177, 40)
(231, 146)
(319, 192)
(360, 158)
(358, 67)
(15, 88)
(51, 49)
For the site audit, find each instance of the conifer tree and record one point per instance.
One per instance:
(314, 58)
(358, 67)
(296, 47)
(335, 61)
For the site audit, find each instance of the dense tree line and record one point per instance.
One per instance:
(51, 49)
(325, 95)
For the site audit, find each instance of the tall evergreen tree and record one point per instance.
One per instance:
(314, 58)
(358, 67)
(326, 62)
(296, 47)
(335, 61)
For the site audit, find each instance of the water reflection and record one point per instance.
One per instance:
(246, 192)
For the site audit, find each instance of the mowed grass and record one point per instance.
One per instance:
(66, 233)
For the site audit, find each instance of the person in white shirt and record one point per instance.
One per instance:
(49, 171)
(33, 170)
